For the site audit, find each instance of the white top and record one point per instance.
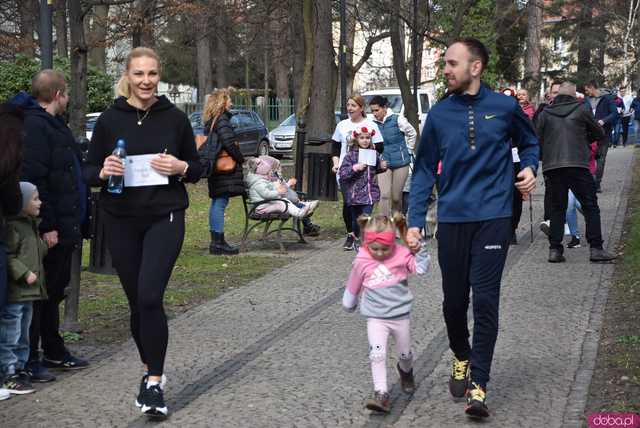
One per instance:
(627, 100)
(344, 132)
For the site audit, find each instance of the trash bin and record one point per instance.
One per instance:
(99, 256)
(321, 181)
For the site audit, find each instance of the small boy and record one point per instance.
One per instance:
(25, 252)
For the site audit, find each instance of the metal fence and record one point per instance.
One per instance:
(272, 113)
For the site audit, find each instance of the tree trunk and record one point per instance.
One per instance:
(304, 93)
(297, 30)
(60, 22)
(321, 117)
(98, 37)
(281, 66)
(532, 58)
(143, 28)
(28, 14)
(632, 16)
(78, 101)
(410, 105)
(222, 53)
(585, 70)
(203, 58)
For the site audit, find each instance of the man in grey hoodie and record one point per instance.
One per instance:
(565, 130)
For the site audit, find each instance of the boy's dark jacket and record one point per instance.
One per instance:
(25, 252)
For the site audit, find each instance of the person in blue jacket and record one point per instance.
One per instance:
(469, 132)
(606, 114)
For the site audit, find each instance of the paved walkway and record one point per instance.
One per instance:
(281, 352)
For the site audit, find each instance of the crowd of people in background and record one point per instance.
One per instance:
(480, 187)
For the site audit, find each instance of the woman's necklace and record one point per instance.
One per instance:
(144, 116)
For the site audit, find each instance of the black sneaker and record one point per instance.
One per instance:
(459, 378)
(555, 256)
(311, 230)
(69, 362)
(514, 239)
(598, 255)
(18, 385)
(476, 402)
(545, 227)
(151, 402)
(574, 243)
(407, 382)
(38, 373)
(143, 386)
(348, 243)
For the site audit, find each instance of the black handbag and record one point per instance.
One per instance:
(208, 153)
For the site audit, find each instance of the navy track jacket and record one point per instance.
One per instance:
(472, 136)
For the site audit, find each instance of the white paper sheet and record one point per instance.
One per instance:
(367, 157)
(138, 172)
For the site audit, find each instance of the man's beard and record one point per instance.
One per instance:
(461, 86)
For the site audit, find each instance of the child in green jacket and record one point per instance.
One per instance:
(26, 250)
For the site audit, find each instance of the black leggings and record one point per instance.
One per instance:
(346, 213)
(144, 251)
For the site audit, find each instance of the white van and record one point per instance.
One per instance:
(395, 102)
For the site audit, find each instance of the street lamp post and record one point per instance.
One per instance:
(46, 34)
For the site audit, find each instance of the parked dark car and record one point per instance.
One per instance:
(252, 135)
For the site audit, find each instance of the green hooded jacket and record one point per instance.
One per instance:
(25, 252)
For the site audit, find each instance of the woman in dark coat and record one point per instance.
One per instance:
(11, 131)
(222, 186)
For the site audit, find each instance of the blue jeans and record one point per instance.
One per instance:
(357, 211)
(216, 213)
(572, 217)
(14, 337)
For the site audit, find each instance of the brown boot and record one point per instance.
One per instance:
(380, 402)
(407, 382)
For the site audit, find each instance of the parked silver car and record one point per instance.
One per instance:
(281, 139)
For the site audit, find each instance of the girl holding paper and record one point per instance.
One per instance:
(341, 136)
(145, 223)
(358, 176)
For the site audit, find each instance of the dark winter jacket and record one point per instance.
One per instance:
(360, 187)
(606, 111)
(165, 129)
(566, 130)
(635, 105)
(229, 184)
(10, 203)
(25, 253)
(52, 163)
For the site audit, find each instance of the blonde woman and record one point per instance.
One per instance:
(222, 186)
(145, 222)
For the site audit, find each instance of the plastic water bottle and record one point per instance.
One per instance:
(116, 182)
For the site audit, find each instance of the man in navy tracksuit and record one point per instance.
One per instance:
(469, 132)
(606, 114)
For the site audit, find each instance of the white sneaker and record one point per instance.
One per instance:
(4, 394)
(312, 206)
(545, 227)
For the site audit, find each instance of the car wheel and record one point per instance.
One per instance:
(263, 148)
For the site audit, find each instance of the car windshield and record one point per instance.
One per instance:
(290, 121)
(395, 102)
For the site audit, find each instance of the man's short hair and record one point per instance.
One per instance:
(46, 83)
(554, 83)
(476, 48)
(593, 84)
(567, 88)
